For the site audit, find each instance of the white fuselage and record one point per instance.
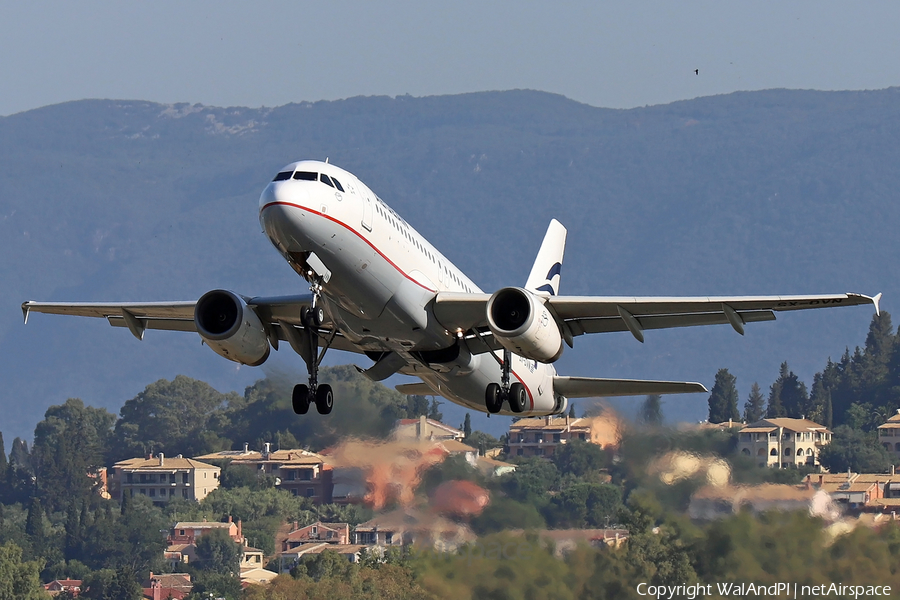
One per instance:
(382, 276)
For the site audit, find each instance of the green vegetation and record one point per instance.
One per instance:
(53, 524)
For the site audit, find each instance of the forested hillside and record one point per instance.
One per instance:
(750, 193)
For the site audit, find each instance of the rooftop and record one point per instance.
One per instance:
(551, 423)
(795, 425)
(161, 463)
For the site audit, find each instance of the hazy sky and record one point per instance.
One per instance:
(613, 54)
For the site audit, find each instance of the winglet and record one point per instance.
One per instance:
(876, 300)
(26, 308)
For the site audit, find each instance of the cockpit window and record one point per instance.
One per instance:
(337, 184)
(306, 176)
(325, 179)
(283, 175)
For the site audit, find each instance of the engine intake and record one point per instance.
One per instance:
(231, 328)
(522, 324)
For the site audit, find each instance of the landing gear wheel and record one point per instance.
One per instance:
(300, 399)
(518, 397)
(313, 317)
(493, 399)
(324, 399)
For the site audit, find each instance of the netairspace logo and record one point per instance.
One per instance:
(785, 590)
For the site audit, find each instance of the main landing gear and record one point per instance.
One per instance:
(496, 394)
(304, 395)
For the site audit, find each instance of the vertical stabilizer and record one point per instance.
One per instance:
(545, 273)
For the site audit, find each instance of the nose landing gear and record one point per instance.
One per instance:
(304, 395)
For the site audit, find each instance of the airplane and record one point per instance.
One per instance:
(379, 288)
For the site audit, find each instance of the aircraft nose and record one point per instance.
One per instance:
(284, 193)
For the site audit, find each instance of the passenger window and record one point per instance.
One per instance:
(324, 179)
(306, 176)
(283, 175)
(337, 184)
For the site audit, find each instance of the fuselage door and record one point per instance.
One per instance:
(368, 212)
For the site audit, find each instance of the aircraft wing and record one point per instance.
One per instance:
(578, 315)
(179, 316)
(590, 387)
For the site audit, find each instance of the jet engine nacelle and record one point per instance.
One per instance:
(522, 324)
(231, 328)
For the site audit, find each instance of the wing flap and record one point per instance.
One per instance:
(580, 307)
(141, 310)
(591, 387)
(611, 324)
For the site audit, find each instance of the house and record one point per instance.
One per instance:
(257, 577)
(541, 436)
(58, 586)
(161, 586)
(713, 502)
(329, 533)
(564, 541)
(251, 558)
(492, 467)
(783, 442)
(161, 479)
(860, 491)
(457, 448)
(425, 429)
(301, 472)
(889, 436)
(292, 557)
(188, 532)
(412, 527)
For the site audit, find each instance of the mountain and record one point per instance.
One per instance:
(766, 192)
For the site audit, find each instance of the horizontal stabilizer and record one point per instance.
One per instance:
(590, 387)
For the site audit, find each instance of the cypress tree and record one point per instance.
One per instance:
(755, 407)
(651, 410)
(3, 461)
(775, 407)
(467, 426)
(73, 531)
(34, 522)
(571, 411)
(723, 400)
(19, 455)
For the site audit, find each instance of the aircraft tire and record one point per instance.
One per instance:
(300, 399)
(518, 397)
(313, 317)
(324, 399)
(493, 399)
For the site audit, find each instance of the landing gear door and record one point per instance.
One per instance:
(368, 212)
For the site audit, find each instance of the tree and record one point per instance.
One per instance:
(572, 410)
(820, 402)
(775, 407)
(434, 411)
(3, 461)
(723, 399)
(112, 584)
(854, 450)
(19, 580)
(580, 458)
(651, 410)
(218, 553)
(19, 457)
(69, 445)
(467, 426)
(755, 406)
(587, 505)
(175, 417)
